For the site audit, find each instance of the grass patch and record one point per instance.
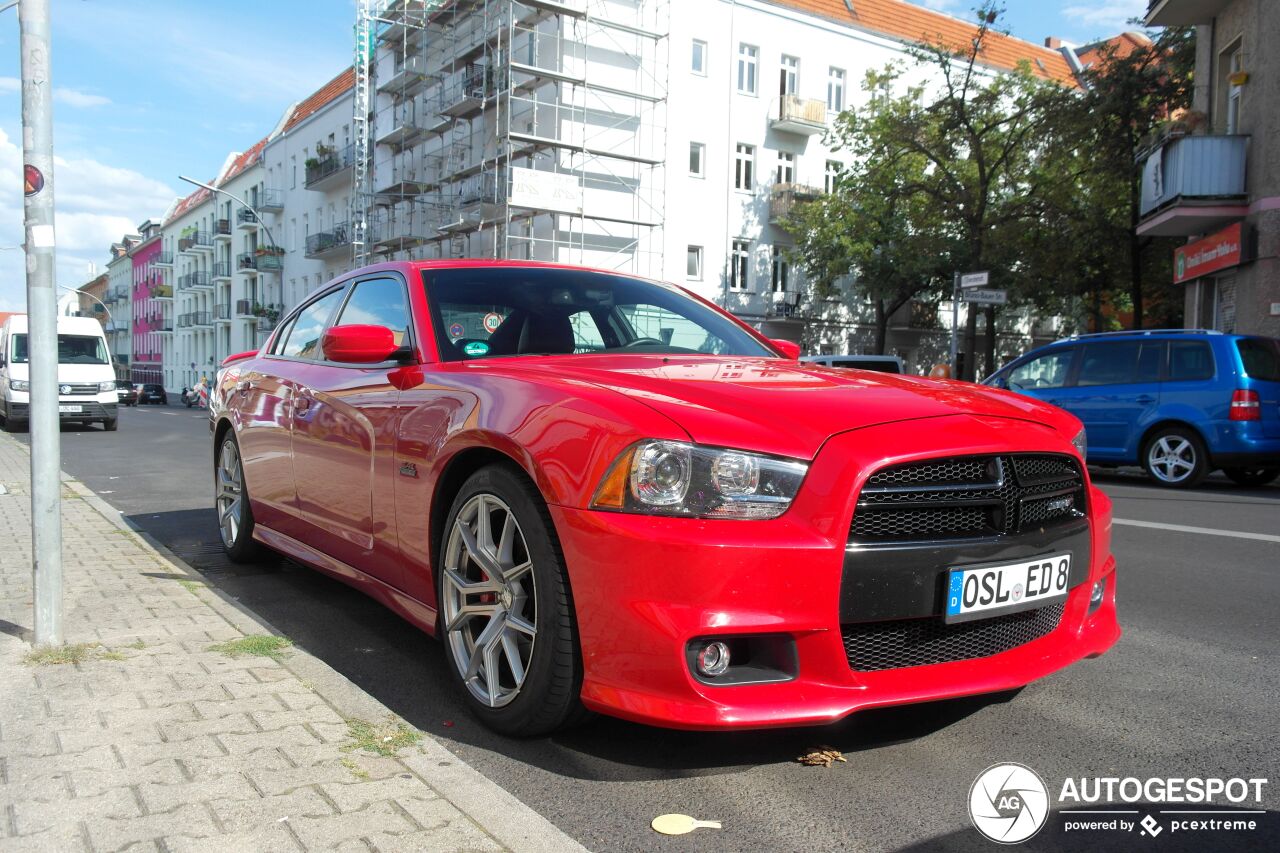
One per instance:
(192, 587)
(355, 769)
(70, 653)
(138, 644)
(385, 740)
(262, 645)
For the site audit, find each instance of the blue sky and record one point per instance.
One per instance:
(148, 89)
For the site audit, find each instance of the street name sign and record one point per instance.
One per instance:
(986, 297)
(975, 279)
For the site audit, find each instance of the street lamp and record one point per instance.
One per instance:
(256, 215)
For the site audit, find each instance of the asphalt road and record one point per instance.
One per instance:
(1190, 690)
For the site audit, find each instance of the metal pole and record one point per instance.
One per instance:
(955, 325)
(42, 307)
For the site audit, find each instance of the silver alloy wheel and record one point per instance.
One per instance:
(1171, 458)
(230, 489)
(489, 605)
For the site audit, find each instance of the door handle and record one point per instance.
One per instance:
(1145, 399)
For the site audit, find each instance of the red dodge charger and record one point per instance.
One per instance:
(606, 494)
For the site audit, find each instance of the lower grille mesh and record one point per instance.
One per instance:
(873, 646)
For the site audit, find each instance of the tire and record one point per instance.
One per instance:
(1175, 458)
(544, 645)
(14, 425)
(111, 425)
(1252, 476)
(231, 503)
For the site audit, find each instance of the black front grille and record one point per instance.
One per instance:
(968, 496)
(872, 646)
(78, 388)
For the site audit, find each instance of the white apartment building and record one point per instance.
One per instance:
(119, 301)
(309, 163)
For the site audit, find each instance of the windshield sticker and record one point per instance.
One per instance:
(476, 348)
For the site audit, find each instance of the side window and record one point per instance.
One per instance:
(1047, 371)
(1109, 364)
(303, 340)
(378, 302)
(1150, 359)
(586, 333)
(277, 346)
(1189, 360)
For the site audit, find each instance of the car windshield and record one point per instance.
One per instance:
(1261, 358)
(72, 349)
(484, 312)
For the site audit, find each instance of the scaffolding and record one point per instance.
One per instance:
(528, 129)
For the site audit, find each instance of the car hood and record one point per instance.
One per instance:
(778, 406)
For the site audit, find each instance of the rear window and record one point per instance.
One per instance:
(1260, 357)
(1190, 360)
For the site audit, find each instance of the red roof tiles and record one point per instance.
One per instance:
(321, 97)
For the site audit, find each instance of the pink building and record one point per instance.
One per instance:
(151, 297)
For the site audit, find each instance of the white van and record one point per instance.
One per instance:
(86, 381)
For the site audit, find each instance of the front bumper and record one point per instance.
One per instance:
(88, 410)
(645, 586)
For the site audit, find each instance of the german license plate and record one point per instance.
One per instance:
(982, 591)
(71, 409)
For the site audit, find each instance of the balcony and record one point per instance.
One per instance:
(161, 291)
(244, 308)
(329, 167)
(246, 220)
(195, 241)
(201, 318)
(1183, 13)
(325, 243)
(222, 313)
(404, 124)
(272, 200)
(783, 304)
(164, 326)
(259, 260)
(222, 230)
(407, 76)
(221, 269)
(199, 280)
(162, 259)
(184, 321)
(784, 197)
(464, 96)
(804, 116)
(1193, 185)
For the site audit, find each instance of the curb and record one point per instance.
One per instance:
(491, 807)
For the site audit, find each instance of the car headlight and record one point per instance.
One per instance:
(107, 386)
(19, 385)
(677, 478)
(1081, 444)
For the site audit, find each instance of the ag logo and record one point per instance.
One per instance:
(1008, 803)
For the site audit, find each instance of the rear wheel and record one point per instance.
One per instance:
(1252, 476)
(1175, 457)
(231, 499)
(506, 613)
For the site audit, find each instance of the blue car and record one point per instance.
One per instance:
(1178, 402)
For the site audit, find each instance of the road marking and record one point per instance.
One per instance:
(1207, 531)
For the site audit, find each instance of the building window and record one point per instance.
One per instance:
(693, 265)
(747, 56)
(697, 162)
(293, 179)
(835, 89)
(743, 167)
(698, 63)
(786, 167)
(738, 259)
(788, 75)
(1234, 90)
(831, 176)
(781, 270)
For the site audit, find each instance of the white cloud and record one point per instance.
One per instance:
(95, 205)
(1106, 17)
(10, 84)
(76, 98)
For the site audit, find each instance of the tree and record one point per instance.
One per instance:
(958, 158)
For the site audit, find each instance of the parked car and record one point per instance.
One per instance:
(86, 380)
(126, 394)
(1178, 402)
(881, 363)
(153, 392)
(606, 494)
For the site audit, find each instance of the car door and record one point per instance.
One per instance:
(1115, 393)
(1043, 376)
(344, 438)
(266, 399)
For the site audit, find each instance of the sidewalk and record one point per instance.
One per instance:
(152, 740)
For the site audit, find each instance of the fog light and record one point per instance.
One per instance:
(713, 659)
(1096, 595)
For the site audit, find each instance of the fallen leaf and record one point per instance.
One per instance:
(823, 756)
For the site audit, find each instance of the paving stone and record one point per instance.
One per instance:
(32, 816)
(192, 820)
(248, 814)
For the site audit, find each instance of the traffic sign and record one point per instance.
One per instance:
(975, 279)
(986, 297)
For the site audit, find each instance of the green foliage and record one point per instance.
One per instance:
(385, 739)
(262, 645)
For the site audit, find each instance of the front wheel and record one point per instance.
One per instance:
(231, 499)
(111, 425)
(506, 613)
(1252, 476)
(1175, 457)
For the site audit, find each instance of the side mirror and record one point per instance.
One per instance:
(360, 344)
(789, 349)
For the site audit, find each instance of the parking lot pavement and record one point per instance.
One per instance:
(1188, 691)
